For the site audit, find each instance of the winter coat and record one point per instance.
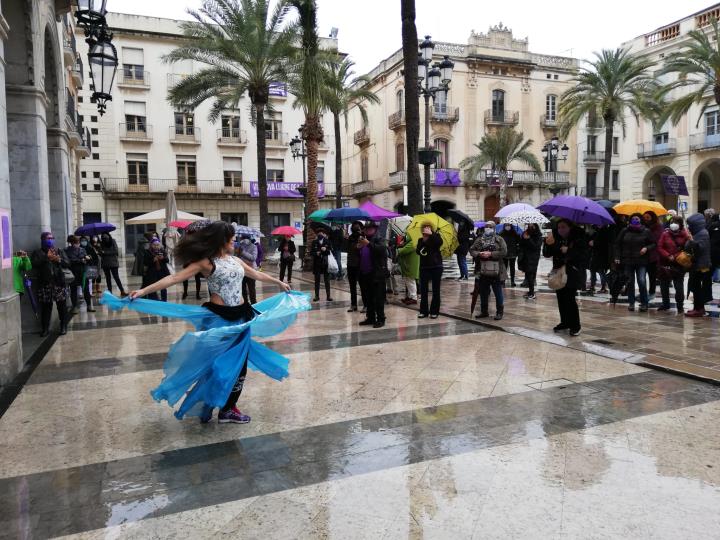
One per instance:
(138, 267)
(465, 240)
(336, 239)
(630, 242)
(656, 229)
(512, 241)
(155, 270)
(700, 243)
(530, 252)
(601, 249)
(109, 254)
(714, 232)
(671, 244)
(76, 258)
(499, 253)
(353, 254)
(409, 261)
(45, 271)
(573, 260)
(429, 251)
(291, 249)
(378, 257)
(320, 258)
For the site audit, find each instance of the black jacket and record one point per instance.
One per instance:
(109, 254)
(290, 245)
(512, 241)
(574, 258)
(378, 255)
(45, 271)
(353, 254)
(601, 251)
(714, 231)
(700, 243)
(76, 258)
(429, 251)
(320, 257)
(155, 271)
(629, 244)
(530, 249)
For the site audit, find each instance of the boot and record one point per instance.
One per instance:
(499, 313)
(484, 314)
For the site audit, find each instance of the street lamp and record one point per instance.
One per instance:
(551, 153)
(433, 82)
(90, 14)
(297, 150)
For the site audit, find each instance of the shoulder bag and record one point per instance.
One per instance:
(557, 278)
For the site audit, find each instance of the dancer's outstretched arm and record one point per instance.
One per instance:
(262, 276)
(188, 272)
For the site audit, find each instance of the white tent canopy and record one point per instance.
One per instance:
(158, 216)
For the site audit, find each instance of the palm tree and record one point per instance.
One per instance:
(412, 105)
(243, 47)
(498, 150)
(307, 83)
(698, 65)
(615, 82)
(343, 92)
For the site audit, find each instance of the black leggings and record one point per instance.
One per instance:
(286, 265)
(237, 389)
(353, 274)
(652, 277)
(326, 277)
(510, 265)
(249, 290)
(115, 275)
(530, 276)
(46, 314)
(186, 283)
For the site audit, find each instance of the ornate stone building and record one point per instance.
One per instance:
(497, 81)
(41, 144)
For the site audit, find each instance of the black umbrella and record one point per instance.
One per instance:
(315, 226)
(459, 216)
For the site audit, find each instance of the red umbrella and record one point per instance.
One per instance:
(286, 230)
(180, 223)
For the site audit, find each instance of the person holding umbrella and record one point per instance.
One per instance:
(287, 250)
(353, 265)
(512, 241)
(431, 270)
(488, 252)
(530, 246)
(155, 267)
(373, 272)
(247, 252)
(567, 247)
(109, 256)
(321, 249)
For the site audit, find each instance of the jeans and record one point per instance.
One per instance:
(286, 265)
(86, 293)
(338, 257)
(326, 277)
(638, 272)
(428, 275)
(679, 285)
(568, 308)
(462, 264)
(373, 292)
(411, 287)
(510, 265)
(353, 273)
(116, 276)
(484, 286)
(249, 291)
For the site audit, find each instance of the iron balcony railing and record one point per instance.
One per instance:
(133, 77)
(548, 121)
(231, 136)
(362, 187)
(153, 185)
(136, 132)
(505, 118)
(77, 72)
(443, 112)
(593, 157)
(704, 141)
(398, 178)
(361, 137)
(561, 178)
(185, 134)
(274, 138)
(70, 48)
(396, 120)
(652, 149)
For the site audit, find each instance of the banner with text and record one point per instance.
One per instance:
(281, 190)
(674, 184)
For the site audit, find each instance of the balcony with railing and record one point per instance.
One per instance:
(531, 178)
(275, 139)
(444, 112)
(175, 78)
(548, 121)
(136, 133)
(704, 141)
(501, 118)
(362, 188)
(180, 134)
(662, 35)
(396, 120)
(594, 124)
(593, 157)
(652, 149)
(83, 150)
(160, 187)
(133, 78)
(72, 120)
(69, 49)
(362, 137)
(397, 179)
(77, 72)
(231, 137)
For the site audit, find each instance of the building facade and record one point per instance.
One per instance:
(496, 82)
(41, 145)
(143, 147)
(645, 153)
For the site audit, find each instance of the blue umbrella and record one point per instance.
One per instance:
(500, 226)
(91, 229)
(347, 215)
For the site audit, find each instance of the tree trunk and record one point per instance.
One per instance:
(502, 191)
(412, 106)
(262, 175)
(609, 123)
(313, 134)
(338, 161)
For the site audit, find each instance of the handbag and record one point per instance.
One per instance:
(684, 260)
(557, 278)
(490, 269)
(332, 264)
(91, 272)
(68, 276)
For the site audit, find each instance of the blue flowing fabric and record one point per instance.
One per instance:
(204, 365)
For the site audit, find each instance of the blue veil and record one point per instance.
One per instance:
(204, 365)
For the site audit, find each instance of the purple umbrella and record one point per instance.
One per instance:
(577, 209)
(377, 213)
(91, 229)
(479, 224)
(505, 211)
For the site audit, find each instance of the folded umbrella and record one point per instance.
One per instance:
(443, 228)
(640, 206)
(512, 208)
(93, 229)
(577, 209)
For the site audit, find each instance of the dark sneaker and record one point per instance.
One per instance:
(434, 316)
(422, 316)
(560, 327)
(352, 308)
(643, 308)
(206, 415)
(663, 308)
(530, 296)
(412, 302)
(379, 324)
(366, 322)
(233, 416)
(631, 308)
(482, 315)
(575, 332)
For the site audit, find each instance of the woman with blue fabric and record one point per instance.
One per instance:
(208, 366)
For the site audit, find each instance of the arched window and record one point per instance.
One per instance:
(443, 147)
(551, 108)
(399, 101)
(498, 105)
(400, 157)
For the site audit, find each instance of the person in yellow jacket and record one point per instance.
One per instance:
(409, 262)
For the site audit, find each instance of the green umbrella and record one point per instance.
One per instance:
(319, 215)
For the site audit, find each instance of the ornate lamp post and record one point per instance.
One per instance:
(551, 152)
(297, 149)
(433, 82)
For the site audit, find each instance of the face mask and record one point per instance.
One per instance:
(508, 227)
(635, 222)
(674, 227)
(83, 243)
(488, 232)
(48, 243)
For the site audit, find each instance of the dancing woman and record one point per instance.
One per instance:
(209, 366)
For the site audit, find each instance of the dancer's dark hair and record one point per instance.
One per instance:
(204, 243)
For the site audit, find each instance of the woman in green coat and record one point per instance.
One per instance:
(409, 262)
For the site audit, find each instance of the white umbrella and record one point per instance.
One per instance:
(158, 216)
(525, 217)
(171, 234)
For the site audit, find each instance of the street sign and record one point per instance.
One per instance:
(683, 206)
(674, 184)
(346, 204)
(298, 225)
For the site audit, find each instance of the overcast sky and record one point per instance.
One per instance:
(369, 31)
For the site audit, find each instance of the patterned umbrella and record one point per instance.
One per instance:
(512, 208)
(525, 217)
(248, 231)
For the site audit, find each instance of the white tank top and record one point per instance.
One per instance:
(226, 280)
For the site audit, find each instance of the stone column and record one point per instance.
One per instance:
(61, 218)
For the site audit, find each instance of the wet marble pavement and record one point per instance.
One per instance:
(421, 429)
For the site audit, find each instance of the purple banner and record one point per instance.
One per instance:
(674, 185)
(282, 190)
(5, 238)
(278, 89)
(445, 177)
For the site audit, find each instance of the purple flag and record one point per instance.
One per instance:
(283, 190)
(447, 177)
